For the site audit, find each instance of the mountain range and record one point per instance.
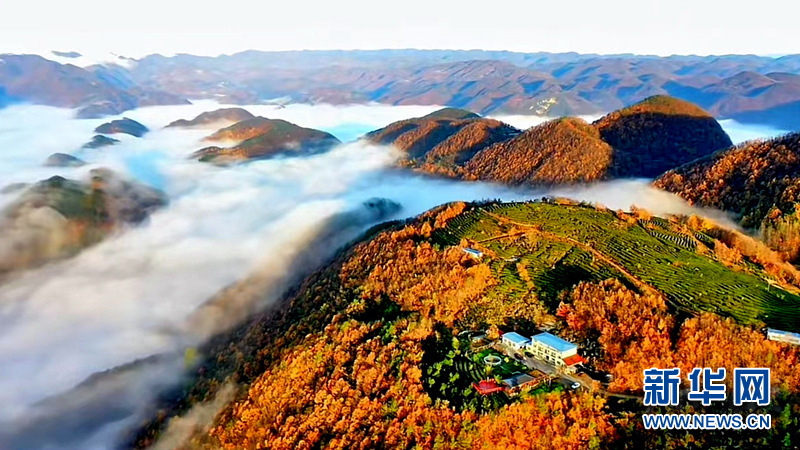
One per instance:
(97, 92)
(748, 88)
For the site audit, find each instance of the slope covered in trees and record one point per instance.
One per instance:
(443, 140)
(759, 181)
(57, 217)
(261, 137)
(354, 357)
(642, 140)
(658, 134)
(560, 151)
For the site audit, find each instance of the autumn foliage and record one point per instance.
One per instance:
(758, 180)
(631, 329)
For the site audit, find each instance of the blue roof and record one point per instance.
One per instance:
(781, 332)
(474, 252)
(516, 338)
(554, 341)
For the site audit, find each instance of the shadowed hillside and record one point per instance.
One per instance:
(658, 134)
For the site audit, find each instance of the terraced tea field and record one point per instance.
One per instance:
(546, 248)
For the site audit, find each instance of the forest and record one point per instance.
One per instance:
(643, 140)
(364, 354)
(758, 181)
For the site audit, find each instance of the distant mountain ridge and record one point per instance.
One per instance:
(95, 92)
(748, 88)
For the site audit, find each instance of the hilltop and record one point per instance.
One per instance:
(222, 115)
(99, 141)
(444, 139)
(642, 140)
(759, 181)
(57, 217)
(658, 134)
(122, 126)
(261, 137)
(381, 346)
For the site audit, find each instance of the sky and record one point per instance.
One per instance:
(660, 27)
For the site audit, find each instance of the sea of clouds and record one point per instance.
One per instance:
(140, 293)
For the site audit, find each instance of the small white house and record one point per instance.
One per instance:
(515, 340)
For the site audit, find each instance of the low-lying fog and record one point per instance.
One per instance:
(131, 296)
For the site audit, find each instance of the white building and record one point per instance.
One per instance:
(515, 340)
(783, 336)
(477, 254)
(554, 350)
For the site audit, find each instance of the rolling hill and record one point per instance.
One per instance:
(57, 218)
(565, 150)
(375, 349)
(658, 134)
(119, 126)
(222, 115)
(261, 138)
(643, 140)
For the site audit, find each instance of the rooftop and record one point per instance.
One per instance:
(518, 380)
(486, 387)
(781, 332)
(473, 252)
(572, 360)
(554, 341)
(516, 338)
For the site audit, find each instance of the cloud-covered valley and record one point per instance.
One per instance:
(150, 289)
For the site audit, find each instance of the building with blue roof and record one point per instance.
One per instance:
(515, 340)
(553, 349)
(783, 336)
(477, 254)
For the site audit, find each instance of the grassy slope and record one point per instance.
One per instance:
(661, 258)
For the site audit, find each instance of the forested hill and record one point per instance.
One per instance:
(370, 351)
(565, 150)
(643, 140)
(259, 137)
(759, 181)
(659, 134)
